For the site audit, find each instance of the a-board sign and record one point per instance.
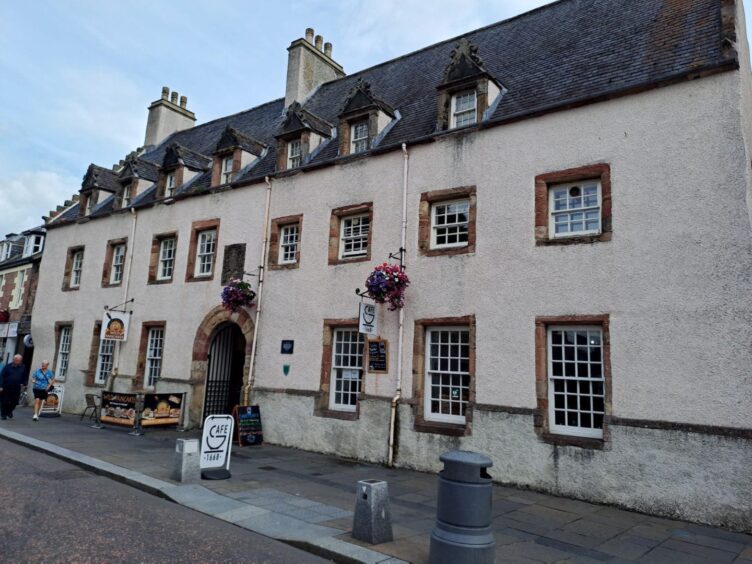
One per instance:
(248, 431)
(378, 355)
(216, 441)
(118, 409)
(53, 405)
(161, 409)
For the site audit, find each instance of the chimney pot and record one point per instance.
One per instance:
(319, 41)
(328, 49)
(309, 34)
(165, 92)
(174, 98)
(183, 101)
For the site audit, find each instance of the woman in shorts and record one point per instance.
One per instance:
(42, 381)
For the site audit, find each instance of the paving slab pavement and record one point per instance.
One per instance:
(307, 500)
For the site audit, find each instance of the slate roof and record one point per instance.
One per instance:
(190, 157)
(100, 177)
(564, 54)
(232, 138)
(141, 168)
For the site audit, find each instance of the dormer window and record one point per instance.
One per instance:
(464, 108)
(170, 185)
(33, 245)
(359, 136)
(468, 93)
(91, 202)
(5, 249)
(227, 169)
(294, 154)
(126, 201)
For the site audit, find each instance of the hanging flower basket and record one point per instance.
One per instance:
(387, 283)
(237, 294)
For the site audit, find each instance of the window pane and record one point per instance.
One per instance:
(448, 372)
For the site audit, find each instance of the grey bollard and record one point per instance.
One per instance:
(372, 521)
(463, 513)
(187, 466)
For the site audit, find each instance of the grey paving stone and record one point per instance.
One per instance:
(591, 527)
(304, 514)
(718, 533)
(573, 538)
(547, 513)
(711, 542)
(624, 547)
(281, 526)
(709, 554)
(650, 532)
(241, 513)
(502, 506)
(580, 551)
(662, 555)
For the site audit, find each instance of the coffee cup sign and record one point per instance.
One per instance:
(216, 441)
(367, 323)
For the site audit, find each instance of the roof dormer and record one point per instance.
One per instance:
(363, 120)
(98, 183)
(235, 151)
(467, 92)
(179, 166)
(301, 134)
(136, 176)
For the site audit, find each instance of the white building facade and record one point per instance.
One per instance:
(580, 306)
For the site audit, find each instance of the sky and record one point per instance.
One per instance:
(77, 76)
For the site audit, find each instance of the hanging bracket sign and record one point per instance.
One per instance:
(115, 326)
(367, 319)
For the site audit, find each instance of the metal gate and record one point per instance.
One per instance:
(220, 372)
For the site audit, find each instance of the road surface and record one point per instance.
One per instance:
(53, 511)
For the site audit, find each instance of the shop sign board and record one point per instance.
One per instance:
(216, 441)
(367, 319)
(53, 405)
(115, 326)
(162, 409)
(378, 356)
(248, 425)
(119, 408)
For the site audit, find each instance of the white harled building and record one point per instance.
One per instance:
(578, 242)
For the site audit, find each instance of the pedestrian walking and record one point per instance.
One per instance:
(41, 381)
(12, 378)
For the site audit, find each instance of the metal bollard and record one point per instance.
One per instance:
(463, 514)
(372, 521)
(187, 467)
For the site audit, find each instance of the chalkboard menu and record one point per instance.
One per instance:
(378, 357)
(248, 425)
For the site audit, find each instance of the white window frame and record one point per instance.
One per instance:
(466, 111)
(206, 247)
(554, 213)
(33, 244)
(170, 185)
(77, 269)
(105, 360)
(359, 144)
(227, 163)
(571, 430)
(126, 199)
(344, 238)
(118, 263)
(154, 355)
(456, 375)
(435, 227)
(6, 248)
(294, 153)
(63, 351)
(166, 262)
(354, 372)
(17, 297)
(289, 241)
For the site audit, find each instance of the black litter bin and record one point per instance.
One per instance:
(463, 515)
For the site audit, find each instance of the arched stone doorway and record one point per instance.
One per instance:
(233, 330)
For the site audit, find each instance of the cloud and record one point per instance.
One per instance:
(28, 195)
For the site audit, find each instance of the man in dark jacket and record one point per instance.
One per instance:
(12, 378)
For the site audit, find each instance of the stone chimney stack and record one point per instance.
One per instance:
(166, 117)
(309, 64)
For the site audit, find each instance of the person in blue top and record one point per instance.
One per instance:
(42, 381)
(12, 378)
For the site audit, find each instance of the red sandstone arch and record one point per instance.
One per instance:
(212, 321)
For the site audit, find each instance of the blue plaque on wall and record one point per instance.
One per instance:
(287, 346)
